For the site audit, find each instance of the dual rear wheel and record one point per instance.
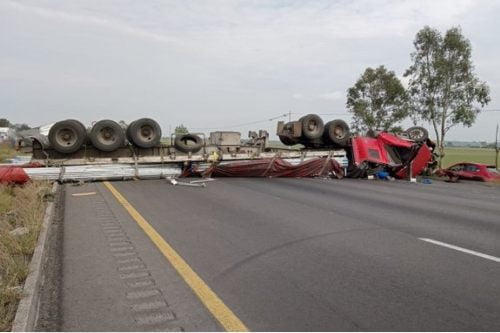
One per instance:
(68, 136)
(315, 134)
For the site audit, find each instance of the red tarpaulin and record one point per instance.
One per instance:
(275, 167)
(13, 175)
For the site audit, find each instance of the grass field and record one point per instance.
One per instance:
(477, 155)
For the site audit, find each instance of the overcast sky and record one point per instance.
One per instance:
(214, 64)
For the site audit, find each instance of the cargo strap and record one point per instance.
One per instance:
(61, 173)
(271, 164)
(328, 158)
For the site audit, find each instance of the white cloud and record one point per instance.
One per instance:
(257, 32)
(208, 60)
(106, 22)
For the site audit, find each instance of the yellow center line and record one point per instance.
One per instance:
(212, 302)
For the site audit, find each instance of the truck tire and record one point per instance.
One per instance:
(287, 140)
(337, 132)
(286, 137)
(67, 136)
(144, 133)
(188, 143)
(107, 135)
(314, 144)
(417, 134)
(312, 127)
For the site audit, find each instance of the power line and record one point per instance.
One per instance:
(325, 114)
(284, 115)
(242, 124)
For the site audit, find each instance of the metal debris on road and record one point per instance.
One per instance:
(83, 194)
(174, 182)
(202, 180)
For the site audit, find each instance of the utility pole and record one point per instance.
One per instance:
(497, 149)
(289, 120)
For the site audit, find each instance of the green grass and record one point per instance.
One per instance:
(6, 152)
(478, 155)
(20, 206)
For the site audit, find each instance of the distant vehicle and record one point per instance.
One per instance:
(7, 135)
(472, 171)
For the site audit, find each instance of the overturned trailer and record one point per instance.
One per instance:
(69, 151)
(108, 150)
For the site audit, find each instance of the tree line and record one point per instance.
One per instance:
(6, 123)
(443, 88)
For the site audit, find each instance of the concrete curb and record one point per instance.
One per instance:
(27, 311)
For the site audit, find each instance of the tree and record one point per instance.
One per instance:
(181, 129)
(377, 101)
(4, 122)
(443, 87)
(21, 127)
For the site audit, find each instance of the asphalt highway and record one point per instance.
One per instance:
(287, 255)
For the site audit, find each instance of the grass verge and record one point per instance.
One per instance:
(476, 155)
(21, 209)
(6, 152)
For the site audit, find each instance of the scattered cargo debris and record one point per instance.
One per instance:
(427, 181)
(83, 194)
(202, 180)
(175, 182)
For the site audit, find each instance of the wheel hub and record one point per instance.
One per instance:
(66, 137)
(146, 133)
(338, 132)
(107, 135)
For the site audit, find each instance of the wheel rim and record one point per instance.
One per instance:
(338, 132)
(107, 135)
(66, 137)
(312, 125)
(145, 133)
(415, 134)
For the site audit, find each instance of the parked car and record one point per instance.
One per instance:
(472, 171)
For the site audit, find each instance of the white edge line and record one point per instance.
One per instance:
(461, 249)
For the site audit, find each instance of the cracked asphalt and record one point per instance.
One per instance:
(285, 255)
